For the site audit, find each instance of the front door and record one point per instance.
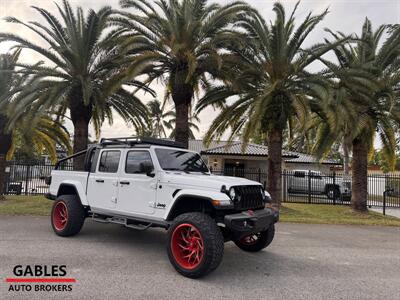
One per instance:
(103, 183)
(299, 181)
(137, 190)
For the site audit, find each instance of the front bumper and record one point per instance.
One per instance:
(250, 222)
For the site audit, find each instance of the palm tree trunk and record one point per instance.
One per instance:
(81, 136)
(2, 175)
(80, 116)
(182, 124)
(5, 144)
(359, 176)
(182, 94)
(274, 186)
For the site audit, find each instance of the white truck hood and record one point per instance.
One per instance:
(210, 182)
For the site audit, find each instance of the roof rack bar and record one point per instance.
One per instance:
(69, 157)
(133, 140)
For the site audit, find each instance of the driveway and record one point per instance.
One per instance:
(303, 262)
(394, 212)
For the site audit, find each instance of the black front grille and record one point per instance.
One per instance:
(249, 197)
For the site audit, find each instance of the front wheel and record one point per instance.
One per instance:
(195, 244)
(67, 215)
(258, 241)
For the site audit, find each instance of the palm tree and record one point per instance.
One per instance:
(44, 136)
(5, 143)
(272, 83)
(7, 82)
(192, 120)
(158, 118)
(84, 73)
(180, 43)
(364, 103)
(43, 133)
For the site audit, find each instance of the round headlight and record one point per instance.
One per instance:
(232, 193)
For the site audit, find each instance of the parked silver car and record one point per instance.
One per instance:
(316, 183)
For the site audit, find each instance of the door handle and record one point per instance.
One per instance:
(100, 180)
(124, 182)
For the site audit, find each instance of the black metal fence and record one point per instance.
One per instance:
(317, 188)
(27, 178)
(24, 178)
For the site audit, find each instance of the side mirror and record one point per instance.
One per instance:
(147, 168)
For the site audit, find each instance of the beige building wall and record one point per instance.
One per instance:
(250, 162)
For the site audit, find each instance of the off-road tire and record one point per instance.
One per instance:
(333, 193)
(264, 239)
(75, 215)
(212, 241)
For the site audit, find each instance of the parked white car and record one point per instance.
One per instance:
(316, 183)
(143, 183)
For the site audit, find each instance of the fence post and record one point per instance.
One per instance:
(284, 186)
(384, 203)
(259, 175)
(309, 186)
(334, 184)
(28, 167)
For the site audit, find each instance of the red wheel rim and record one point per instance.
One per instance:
(250, 239)
(187, 246)
(60, 215)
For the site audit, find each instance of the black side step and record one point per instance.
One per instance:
(139, 224)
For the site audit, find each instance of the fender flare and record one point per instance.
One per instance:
(73, 187)
(198, 195)
(178, 200)
(331, 185)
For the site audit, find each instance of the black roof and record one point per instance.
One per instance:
(236, 148)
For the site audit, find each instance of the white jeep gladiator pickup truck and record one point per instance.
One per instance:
(144, 182)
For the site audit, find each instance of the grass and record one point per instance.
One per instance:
(25, 206)
(290, 212)
(332, 214)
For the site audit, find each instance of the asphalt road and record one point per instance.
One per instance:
(303, 262)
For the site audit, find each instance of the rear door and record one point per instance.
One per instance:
(317, 183)
(103, 183)
(137, 190)
(299, 181)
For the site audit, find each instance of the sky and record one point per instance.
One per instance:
(345, 15)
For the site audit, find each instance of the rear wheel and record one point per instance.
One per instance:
(333, 193)
(67, 215)
(195, 244)
(258, 241)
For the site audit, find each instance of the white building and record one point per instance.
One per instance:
(221, 156)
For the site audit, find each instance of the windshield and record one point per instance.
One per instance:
(179, 160)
